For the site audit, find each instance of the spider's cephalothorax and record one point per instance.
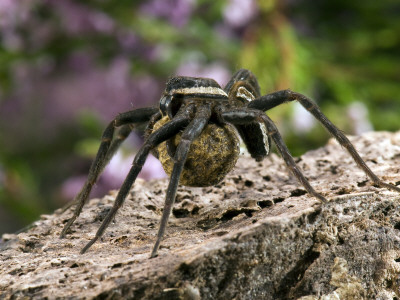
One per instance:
(215, 151)
(195, 134)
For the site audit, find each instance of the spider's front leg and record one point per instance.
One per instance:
(269, 101)
(248, 116)
(107, 148)
(191, 132)
(165, 132)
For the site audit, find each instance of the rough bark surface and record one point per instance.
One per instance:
(257, 235)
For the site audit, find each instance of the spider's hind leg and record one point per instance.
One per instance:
(108, 146)
(245, 116)
(119, 138)
(271, 100)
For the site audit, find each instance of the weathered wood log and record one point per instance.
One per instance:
(257, 235)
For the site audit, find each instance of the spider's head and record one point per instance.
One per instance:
(181, 87)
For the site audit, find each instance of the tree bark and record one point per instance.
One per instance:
(256, 235)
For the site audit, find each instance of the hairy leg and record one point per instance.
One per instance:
(162, 134)
(106, 150)
(271, 100)
(191, 132)
(243, 116)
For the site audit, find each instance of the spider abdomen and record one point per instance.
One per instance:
(211, 156)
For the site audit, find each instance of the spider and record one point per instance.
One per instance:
(195, 133)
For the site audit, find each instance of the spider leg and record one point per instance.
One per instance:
(153, 120)
(106, 150)
(192, 131)
(268, 101)
(165, 132)
(119, 138)
(247, 116)
(171, 148)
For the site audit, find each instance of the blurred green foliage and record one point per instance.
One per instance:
(337, 52)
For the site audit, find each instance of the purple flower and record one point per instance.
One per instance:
(77, 18)
(177, 12)
(12, 14)
(240, 12)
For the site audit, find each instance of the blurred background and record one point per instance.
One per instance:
(68, 67)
